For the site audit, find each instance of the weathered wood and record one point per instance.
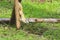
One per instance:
(52, 20)
(5, 20)
(13, 17)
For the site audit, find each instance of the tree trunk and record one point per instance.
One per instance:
(15, 14)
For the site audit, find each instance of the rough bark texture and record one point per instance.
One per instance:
(15, 14)
(13, 18)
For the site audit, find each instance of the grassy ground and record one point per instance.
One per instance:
(12, 34)
(45, 31)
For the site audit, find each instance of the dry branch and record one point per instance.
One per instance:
(43, 20)
(52, 20)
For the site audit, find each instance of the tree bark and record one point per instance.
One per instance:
(13, 18)
(15, 14)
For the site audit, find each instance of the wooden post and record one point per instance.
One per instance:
(17, 14)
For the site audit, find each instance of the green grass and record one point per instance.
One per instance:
(13, 34)
(46, 31)
(46, 10)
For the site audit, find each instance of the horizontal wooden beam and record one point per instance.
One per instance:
(52, 20)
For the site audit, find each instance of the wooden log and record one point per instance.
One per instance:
(5, 20)
(52, 20)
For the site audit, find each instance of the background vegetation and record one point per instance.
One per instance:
(31, 31)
